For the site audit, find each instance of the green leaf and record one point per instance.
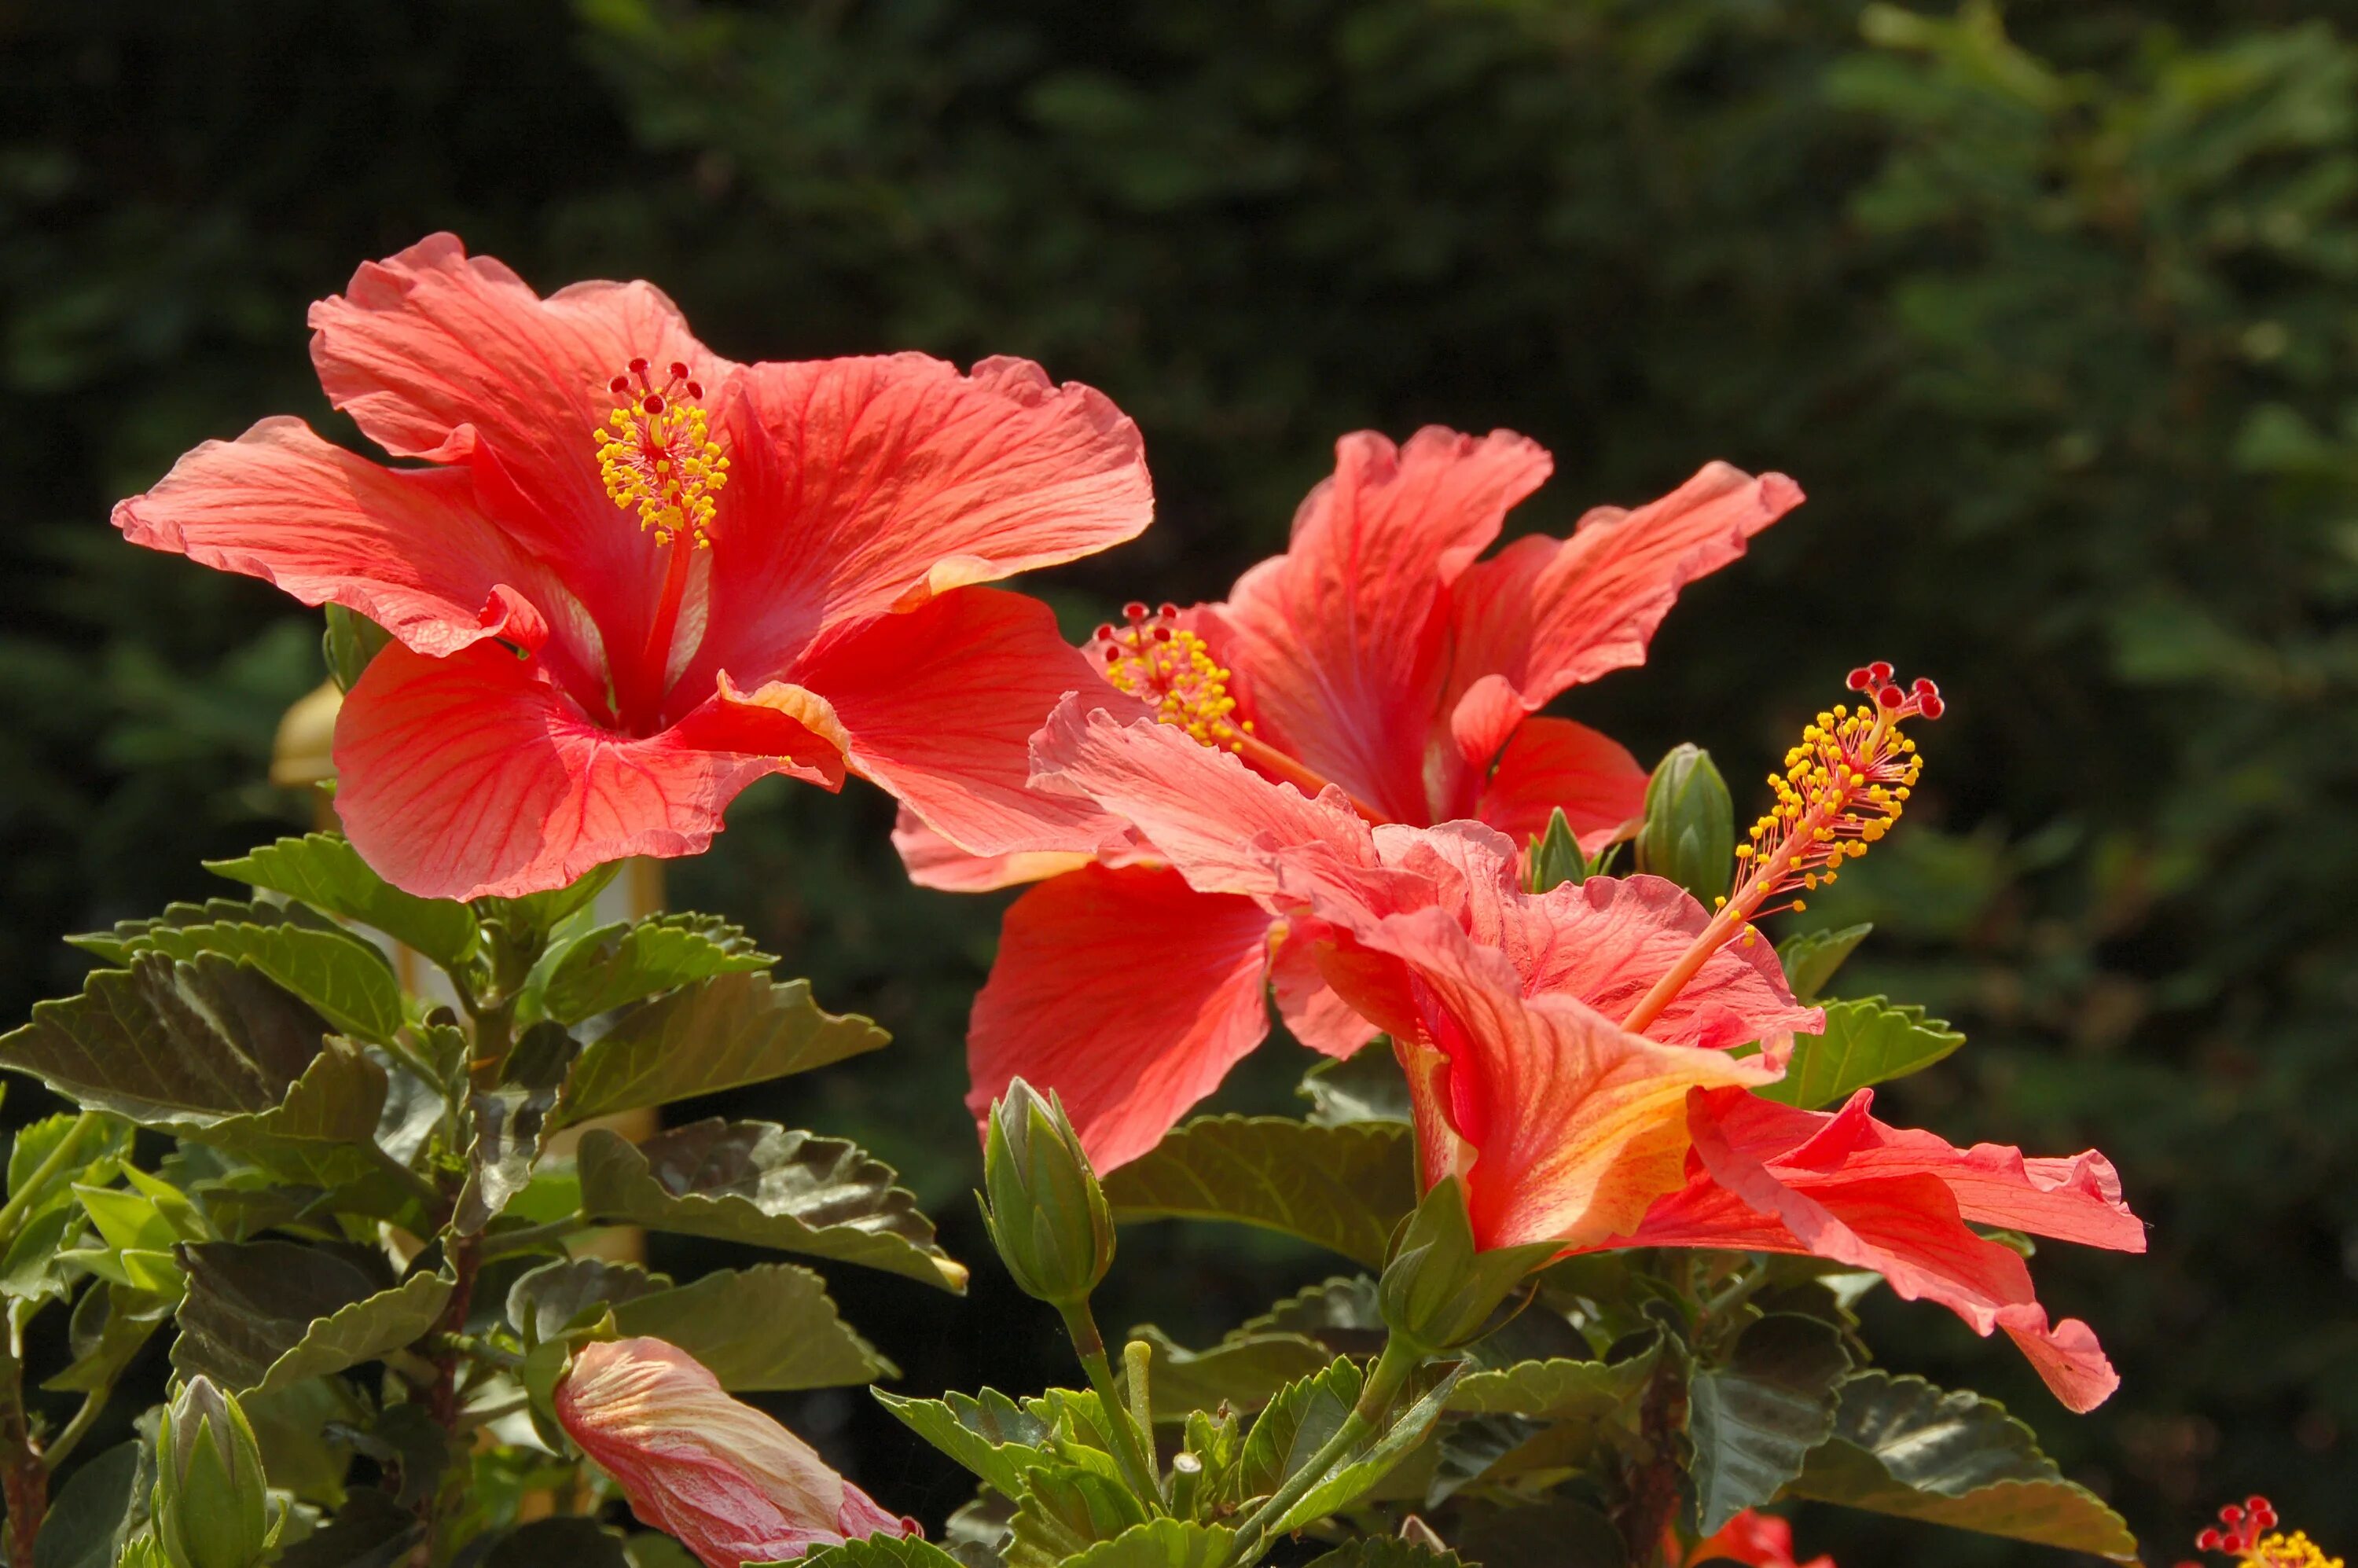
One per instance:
(1344, 1189)
(344, 978)
(622, 964)
(351, 640)
(1341, 1314)
(370, 1531)
(1243, 1371)
(576, 1542)
(1552, 1390)
(988, 1433)
(875, 1551)
(1901, 1447)
(298, 1454)
(1369, 1087)
(1161, 1544)
(1811, 958)
(512, 1124)
(1354, 1479)
(769, 1327)
(719, 1033)
(100, 1509)
(1866, 1041)
(1554, 856)
(1297, 1424)
(555, 1297)
(1755, 1418)
(326, 873)
(1062, 1510)
(114, 947)
(759, 1183)
(266, 1315)
(111, 1324)
(528, 922)
(1387, 1551)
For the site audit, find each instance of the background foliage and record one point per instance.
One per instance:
(2052, 316)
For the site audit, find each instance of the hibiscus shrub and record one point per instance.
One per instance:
(1597, 1162)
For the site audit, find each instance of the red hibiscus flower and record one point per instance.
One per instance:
(632, 577)
(1379, 657)
(1764, 1177)
(1563, 1125)
(731, 1483)
(1758, 1539)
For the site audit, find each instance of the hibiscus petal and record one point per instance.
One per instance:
(478, 774)
(410, 550)
(1544, 614)
(1203, 810)
(436, 354)
(1336, 647)
(1126, 992)
(1575, 1124)
(1313, 1010)
(939, 705)
(1908, 1227)
(1551, 762)
(933, 861)
(874, 485)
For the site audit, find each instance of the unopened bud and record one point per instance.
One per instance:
(1554, 857)
(1437, 1292)
(1047, 1215)
(211, 1506)
(1690, 831)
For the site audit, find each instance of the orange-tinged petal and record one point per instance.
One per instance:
(1769, 1178)
(867, 485)
(1338, 646)
(478, 774)
(933, 861)
(731, 1483)
(1544, 614)
(1126, 992)
(938, 703)
(1551, 762)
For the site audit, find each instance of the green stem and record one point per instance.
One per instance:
(93, 1404)
(1138, 1469)
(12, 1213)
(1390, 1374)
(509, 1242)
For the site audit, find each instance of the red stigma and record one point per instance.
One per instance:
(1168, 611)
(620, 384)
(653, 403)
(1880, 670)
(2209, 1541)
(1113, 656)
(1134, 610)
(639, 365)
(678, 371)
(1162, 633)
(695, 390)
(1859, 679)
(1888, 696)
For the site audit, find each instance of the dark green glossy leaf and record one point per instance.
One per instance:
(1344, 1189)
(988, 1433)
(512, 1122)
(1813, 957)
(719, 1033)
(100, 1507)
(1369, 1087)
(1866, 1041)
(1556, 1534)
(617, 965)
(370, 1531)
(771, 1327)
(1552, 1390)
(1387, 1551)
(268, 1314)
(551, 1542)
(326, 873)
(764, 1185)
(555, 1297)
(344, 978)
(1901, 1447)
(1753, 1420)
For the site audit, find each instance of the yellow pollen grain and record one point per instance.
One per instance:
(664, 466)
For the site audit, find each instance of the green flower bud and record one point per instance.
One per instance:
(1554, 857)
(1690, 831)
(1437, 1292)
(1047, 1216)
(212, 1507)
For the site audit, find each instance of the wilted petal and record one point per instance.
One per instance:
(732, 1485)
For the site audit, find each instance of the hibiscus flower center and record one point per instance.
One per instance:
(1171, 671)
(657, 457)
(1841, 789)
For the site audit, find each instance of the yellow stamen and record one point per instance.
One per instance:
(657, 457)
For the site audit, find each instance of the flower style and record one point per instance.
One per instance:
(1758, 1539)
(631, 576)
(1378, 656)
(2247, 1532)
(731, 1483)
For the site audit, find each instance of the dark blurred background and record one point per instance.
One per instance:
(2055, 316)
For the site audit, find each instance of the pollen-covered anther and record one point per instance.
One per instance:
(1842, 788)
(1153, 658)
(657, 455)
